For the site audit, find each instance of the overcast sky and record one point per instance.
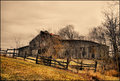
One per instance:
(23, 19)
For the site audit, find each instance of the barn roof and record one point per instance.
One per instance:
(45, 33)
(64, 40)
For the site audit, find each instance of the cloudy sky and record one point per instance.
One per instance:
(23, 19)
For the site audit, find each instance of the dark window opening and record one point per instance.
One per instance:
(93, 56)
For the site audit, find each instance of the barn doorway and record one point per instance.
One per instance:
(93, 55)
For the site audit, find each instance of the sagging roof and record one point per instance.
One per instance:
(64, 40)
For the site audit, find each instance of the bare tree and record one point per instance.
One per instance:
(17, 41)
(111, 24)
(68, 32)
(98, 34)
(109, 31)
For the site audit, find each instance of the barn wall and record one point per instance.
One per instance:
(23, 51)
(77, 48)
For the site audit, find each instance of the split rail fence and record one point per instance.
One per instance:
(81, 65)
(49, 61)
(12, 52)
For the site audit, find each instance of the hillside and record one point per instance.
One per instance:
(16, 69)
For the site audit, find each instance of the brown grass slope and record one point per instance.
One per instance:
(16, 69)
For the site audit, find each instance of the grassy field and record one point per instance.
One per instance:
(18, 69)
(107, 76)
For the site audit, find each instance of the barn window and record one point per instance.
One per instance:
(39, 51)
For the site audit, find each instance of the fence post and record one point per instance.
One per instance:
(5, 53)
(37, 59)
(50, 59)
(95, 66)
(81, 65)
(25, 56)
(77, 68)
(13, 52)
(68, 60)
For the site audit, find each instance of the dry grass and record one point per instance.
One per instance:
(100, 76)
(111, 73)
(16, 69)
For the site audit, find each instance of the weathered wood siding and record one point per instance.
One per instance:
(76, 48)
(24, 50)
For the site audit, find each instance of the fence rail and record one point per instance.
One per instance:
(82, 65)
(52, 62)
(60, 63)
(9, 51)
(31, 59)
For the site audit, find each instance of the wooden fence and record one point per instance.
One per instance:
(2, 51)
(81, 65)
(9, 51)
(49, 61)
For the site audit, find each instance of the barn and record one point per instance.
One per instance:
(49, 44)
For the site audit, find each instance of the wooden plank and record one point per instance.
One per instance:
(11, 53)
(91, 69)
(89, 64)
(48, 61)
(58, 61)
(84, 63)
(60, 64)
(31, 59)
(86, 66)
(76, 62)
(2, 50)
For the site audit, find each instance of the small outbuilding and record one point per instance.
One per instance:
(23, 51)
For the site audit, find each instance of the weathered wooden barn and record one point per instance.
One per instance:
(49, 44)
